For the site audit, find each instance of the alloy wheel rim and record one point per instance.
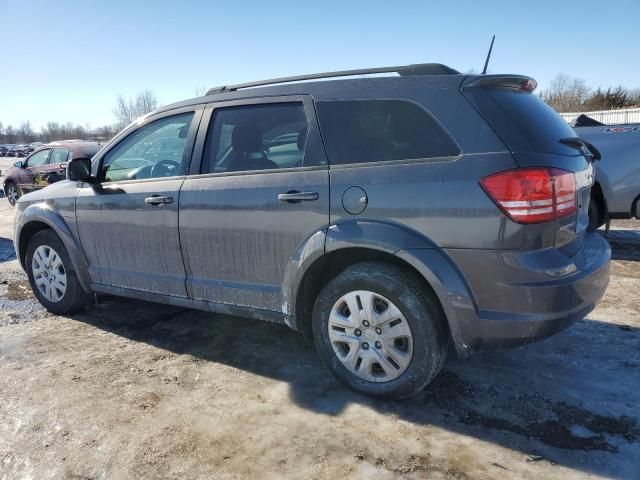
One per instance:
(12, 194)
(49, 274)
(370, 336)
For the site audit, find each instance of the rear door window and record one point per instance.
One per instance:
(59, 155)
(256, 137)
(357, 131)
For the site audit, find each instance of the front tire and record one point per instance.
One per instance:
(51, 275)
(380, 331)
(11, 190)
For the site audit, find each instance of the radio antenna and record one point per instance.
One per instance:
(486, 62)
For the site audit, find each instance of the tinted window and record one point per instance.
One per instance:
(378, 130)
(38, 158)
(59, 155)
(256, 138)
(523, 120)
(155, 150)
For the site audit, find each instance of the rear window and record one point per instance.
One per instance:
(523, 120)
(357, 131)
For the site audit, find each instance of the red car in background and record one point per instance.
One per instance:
(44, 166)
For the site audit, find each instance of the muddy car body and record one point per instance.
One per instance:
(384, 216)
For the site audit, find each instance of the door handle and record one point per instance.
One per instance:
(295, 196)
(158, 200)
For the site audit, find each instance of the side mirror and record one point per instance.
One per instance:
(19, 164)
(79, 170)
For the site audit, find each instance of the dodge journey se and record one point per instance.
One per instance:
(385, 216)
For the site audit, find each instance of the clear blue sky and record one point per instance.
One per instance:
(66, 60)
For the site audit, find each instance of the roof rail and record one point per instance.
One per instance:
(404, 70)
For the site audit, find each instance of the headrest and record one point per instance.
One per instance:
(182, 131)
(246, 137)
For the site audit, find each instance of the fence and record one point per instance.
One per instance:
(609, 117)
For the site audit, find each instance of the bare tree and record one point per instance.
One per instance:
(9, 134)
(634, 97)
(128, 110)
(565, 93)
(25, 132)
(200, 91)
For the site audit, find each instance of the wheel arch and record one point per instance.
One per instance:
(384, 242)
(635, 211)
(601, 201)
(38, 217)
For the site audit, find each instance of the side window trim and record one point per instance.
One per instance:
(314, 147)
(189, 150)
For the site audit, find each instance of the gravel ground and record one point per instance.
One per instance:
(129, 389)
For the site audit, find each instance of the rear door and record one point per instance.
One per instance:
(261, 190)
(128, 220)
(56, 166)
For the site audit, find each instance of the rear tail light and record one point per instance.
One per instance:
(533, 195)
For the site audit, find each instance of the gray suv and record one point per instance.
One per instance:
(384, 216)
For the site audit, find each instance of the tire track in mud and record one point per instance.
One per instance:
(570, 427)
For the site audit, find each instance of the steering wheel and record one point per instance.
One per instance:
(164, 168)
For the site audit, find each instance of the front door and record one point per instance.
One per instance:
(261, 191)
(128, 220)
(35, 164)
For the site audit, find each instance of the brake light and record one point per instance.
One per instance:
(528, 84)
(533, 195)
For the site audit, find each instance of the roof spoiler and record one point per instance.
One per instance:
(517, 82)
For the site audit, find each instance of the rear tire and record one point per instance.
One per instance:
(400, 323)
(51, 275)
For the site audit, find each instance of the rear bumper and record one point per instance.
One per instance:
(524, 297)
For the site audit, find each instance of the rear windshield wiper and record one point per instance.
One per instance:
(581, 144)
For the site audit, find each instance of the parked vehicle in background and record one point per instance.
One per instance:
(435, 207)
(616, 191)
(11, 152)
(20, 150)
(45, 166)
(4, 149)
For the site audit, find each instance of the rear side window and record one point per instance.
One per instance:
(357, 131)
(523, 120)
(59, 155)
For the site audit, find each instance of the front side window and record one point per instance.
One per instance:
(59, 155)
(259, 137)
(358, 131)
(38, 158)
(153, 151)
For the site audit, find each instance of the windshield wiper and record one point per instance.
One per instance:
(581, 144)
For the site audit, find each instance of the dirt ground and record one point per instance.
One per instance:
(129, 389)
